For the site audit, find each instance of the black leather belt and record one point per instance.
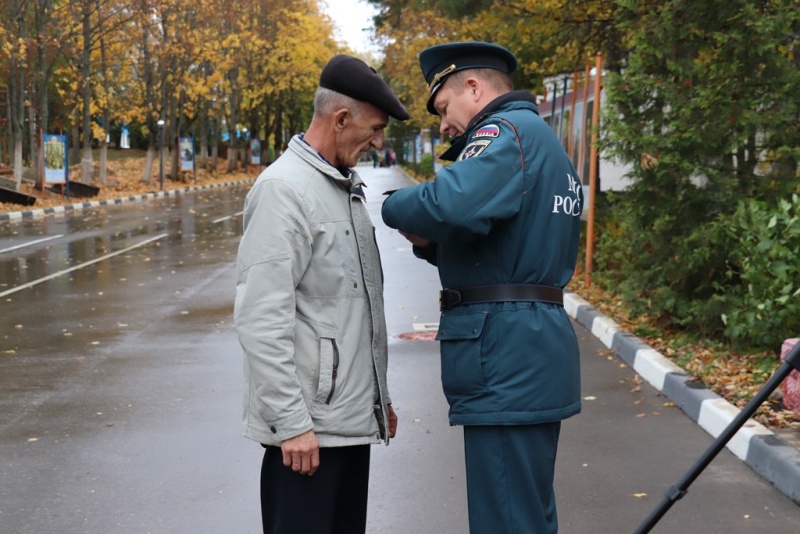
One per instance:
(450, 298)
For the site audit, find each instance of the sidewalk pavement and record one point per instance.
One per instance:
(766, 452)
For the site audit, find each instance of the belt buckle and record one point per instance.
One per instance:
(448, 299)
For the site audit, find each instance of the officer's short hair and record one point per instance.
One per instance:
(497, 80)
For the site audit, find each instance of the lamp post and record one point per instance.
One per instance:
(245, 160)
(161, 153)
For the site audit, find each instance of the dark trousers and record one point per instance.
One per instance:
(332, 501)
(510, 472)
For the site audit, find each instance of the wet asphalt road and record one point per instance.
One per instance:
(120, 394)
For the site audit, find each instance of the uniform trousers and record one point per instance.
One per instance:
(510, 471)
(331, 501)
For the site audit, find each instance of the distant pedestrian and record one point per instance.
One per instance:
(375, 158)
(502, 224)
(309, 312)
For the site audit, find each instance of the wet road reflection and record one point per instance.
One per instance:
(115, 333)
(96, 277)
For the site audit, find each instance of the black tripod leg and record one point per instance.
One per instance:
(675, 493)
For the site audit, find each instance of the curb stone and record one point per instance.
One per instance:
(762, 450)
(33, 214)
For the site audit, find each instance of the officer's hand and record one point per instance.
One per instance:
(301, 453)
(416, 241)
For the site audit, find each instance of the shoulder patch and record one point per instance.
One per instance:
(474, 149)
(490, 130)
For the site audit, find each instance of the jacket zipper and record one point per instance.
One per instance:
(335, 370)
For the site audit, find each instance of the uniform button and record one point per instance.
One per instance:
(347, 232)
(355, 284)
(474, 330)
(274, 430)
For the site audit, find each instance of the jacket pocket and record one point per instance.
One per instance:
(328, 369)
(461, 349)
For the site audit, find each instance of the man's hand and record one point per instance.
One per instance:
(301, 453)
(416, 241)
(392, 421)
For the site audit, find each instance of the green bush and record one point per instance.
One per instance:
(762, 294)
(661, 255)
(425, 166)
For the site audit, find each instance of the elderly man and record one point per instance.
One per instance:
(309, 312)
(501, 224)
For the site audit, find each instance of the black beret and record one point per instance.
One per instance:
(440, 61)
(352, 77)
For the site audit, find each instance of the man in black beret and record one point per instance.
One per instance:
(350, 76)
(502, 225)
(309, 312)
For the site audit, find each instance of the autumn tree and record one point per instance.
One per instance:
(16, 49)
(706, 113)
(548, 37)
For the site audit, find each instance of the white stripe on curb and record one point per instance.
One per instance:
(654, 367)
(717, 414)
(572, 302)
(604, 329)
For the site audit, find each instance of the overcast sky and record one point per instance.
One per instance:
(351, 17)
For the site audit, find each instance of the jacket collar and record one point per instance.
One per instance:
(347, 178)
(457, 143)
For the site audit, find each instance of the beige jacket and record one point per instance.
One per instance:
(309, 306)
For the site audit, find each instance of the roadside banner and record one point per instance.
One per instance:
(186, 147)
(255, 151)
(56, 170)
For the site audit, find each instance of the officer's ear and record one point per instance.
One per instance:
(474, 87)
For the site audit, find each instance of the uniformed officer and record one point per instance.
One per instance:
(502, 225)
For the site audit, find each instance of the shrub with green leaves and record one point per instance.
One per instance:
(762, 296)
(705, 115)
(425, 167)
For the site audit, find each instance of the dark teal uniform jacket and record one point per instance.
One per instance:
(507, 211)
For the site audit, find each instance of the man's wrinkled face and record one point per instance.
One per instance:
(360, 132)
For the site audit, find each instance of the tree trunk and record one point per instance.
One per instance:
(42, 18)
(175, 159)
(103, 178)
(204, 135)
(232, 153)
(75, 151)
(152, 129)
(17, 102)
(215, 146)
(279, 141)
(33, 135)
(147, 175)
(87, 162)
(5, 144)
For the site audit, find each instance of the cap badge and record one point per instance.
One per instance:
(439, 76)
